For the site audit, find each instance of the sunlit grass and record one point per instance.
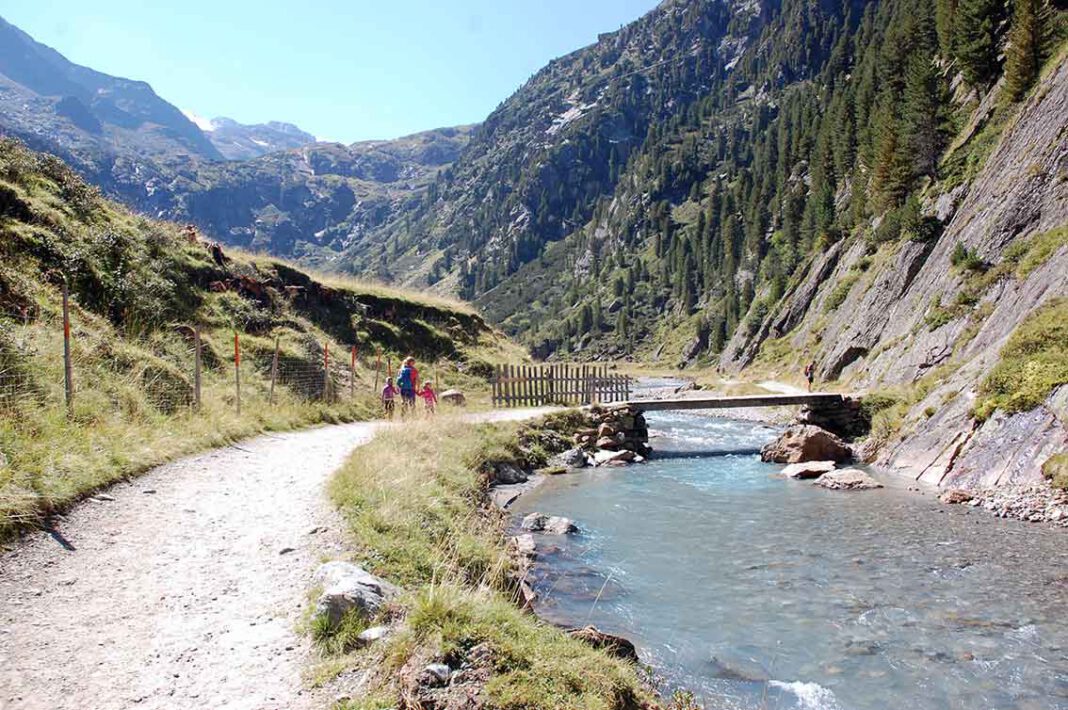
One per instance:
(415, 504)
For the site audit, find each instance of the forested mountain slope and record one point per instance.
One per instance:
(875, 186)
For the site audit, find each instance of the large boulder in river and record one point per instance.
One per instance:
(800, 444)
(810, 469)
(848, 479)
(548, 524)
(350, 588)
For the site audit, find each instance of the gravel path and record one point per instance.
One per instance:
(182, 588)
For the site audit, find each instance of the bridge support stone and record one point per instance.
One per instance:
(846, 417)
(616, 427)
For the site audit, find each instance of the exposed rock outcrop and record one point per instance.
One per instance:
(884, 336)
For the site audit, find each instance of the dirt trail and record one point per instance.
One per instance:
(182, 588)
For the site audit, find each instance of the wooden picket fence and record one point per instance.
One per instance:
(537, 385)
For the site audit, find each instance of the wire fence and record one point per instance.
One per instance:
(48, 360)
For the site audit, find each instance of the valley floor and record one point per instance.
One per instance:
(182, 588)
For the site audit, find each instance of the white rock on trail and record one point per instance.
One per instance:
(348, 587)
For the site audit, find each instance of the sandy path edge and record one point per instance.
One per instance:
(185, 590)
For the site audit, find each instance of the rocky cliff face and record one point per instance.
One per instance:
(53, 103)
(912, 316)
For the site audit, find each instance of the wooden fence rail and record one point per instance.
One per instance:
(537, 385)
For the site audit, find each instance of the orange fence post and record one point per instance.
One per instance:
(197, 367)
(68, 369)
(326, 371)
(378, 367)
(352, 375)
(237, 370)
(274, 371)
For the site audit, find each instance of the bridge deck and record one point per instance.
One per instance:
(759, 400)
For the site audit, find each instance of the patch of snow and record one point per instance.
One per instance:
(262, 144)
(201, 122)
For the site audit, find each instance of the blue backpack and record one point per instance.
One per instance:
(404, 378)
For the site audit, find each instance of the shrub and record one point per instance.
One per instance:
(1032, 364)
(965, 259)
(841, 292)
(1056, 470)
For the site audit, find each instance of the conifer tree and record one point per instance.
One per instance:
(920, 114)
(1028, 45)
(975, 40)
(945, 12)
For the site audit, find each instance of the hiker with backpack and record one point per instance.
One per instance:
(407, 382)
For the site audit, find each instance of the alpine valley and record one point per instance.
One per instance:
(878, 187)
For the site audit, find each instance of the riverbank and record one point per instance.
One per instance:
(424, 522)
(757, 591)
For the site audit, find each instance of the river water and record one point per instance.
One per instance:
(757, 592)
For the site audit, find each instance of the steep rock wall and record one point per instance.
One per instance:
(883, 334)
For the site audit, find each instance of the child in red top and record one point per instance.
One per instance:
(431, 399)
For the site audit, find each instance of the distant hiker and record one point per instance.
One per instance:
(429, 398)
(408, 381)
(810, 374)
(389, 396)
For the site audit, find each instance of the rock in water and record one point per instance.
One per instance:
(805, 443)
(548, 524)
(811, 469)
(955, 496)
(616, 646)
(572, 458)
(848, 479)
(605, 457)
(348, 587)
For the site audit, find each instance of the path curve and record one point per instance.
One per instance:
(182, 588)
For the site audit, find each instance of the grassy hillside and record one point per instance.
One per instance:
(138, 288)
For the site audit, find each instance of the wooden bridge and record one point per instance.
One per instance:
(813, 400)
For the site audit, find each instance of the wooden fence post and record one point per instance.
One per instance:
(378, 368)
(237, 370)
(196, 367)
(68, 368)
(352, 375)
(274, 371)
(326, 371)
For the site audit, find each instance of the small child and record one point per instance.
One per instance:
(429, 397)
(389, 394)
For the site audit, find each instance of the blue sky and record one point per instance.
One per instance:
(341, 70)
